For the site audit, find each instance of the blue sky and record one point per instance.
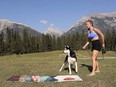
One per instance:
(62, 14)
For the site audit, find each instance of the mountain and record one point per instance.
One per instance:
(103, 21)
(4, 24)
(53, 31)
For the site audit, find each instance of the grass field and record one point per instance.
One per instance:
(48, 63)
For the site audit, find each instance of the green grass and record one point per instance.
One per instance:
(48, 63)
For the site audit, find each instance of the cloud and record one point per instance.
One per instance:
(44, 21)
(52, 25)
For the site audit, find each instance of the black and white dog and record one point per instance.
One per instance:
(70, 59)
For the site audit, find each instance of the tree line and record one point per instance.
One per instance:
(11, 42)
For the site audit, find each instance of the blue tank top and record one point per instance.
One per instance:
(92, 34)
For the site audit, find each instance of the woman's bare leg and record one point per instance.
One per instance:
(94, 62)
(97, 67)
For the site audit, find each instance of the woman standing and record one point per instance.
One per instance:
(93, 36)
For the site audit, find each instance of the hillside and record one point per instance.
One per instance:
(4, 24)
(103, 21)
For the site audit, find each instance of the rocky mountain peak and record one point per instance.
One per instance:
(104, 21)
(4, 24)
(53, 31)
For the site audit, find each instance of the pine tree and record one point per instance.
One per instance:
(17, 49)
(53, 43)
(108, 40)
(77, 41)
(113, 39)
(9, 41)
(25, 42)
(49, 42)
(83, 38)
(33, 44)
(1, 43)
(58, 43)
(63, 42)
(42, 45)
(38, 44)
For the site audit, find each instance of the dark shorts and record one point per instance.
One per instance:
(96, 45)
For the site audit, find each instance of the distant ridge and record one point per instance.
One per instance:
(104, 21)
(4, 24)
(53, 31)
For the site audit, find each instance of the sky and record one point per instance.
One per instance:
(59, 14)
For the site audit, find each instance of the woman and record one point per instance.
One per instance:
(93, 36)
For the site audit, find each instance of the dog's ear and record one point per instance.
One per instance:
(67, 47)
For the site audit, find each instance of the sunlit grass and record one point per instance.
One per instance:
(48, 63)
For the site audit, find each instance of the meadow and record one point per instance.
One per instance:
(49, 63)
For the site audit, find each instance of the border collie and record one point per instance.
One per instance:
(70, 59)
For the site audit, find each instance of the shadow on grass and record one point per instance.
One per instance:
(88, 66)
(67, 69)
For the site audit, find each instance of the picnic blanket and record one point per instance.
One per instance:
(59, 78)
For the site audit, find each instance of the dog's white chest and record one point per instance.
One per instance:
(71, 60)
